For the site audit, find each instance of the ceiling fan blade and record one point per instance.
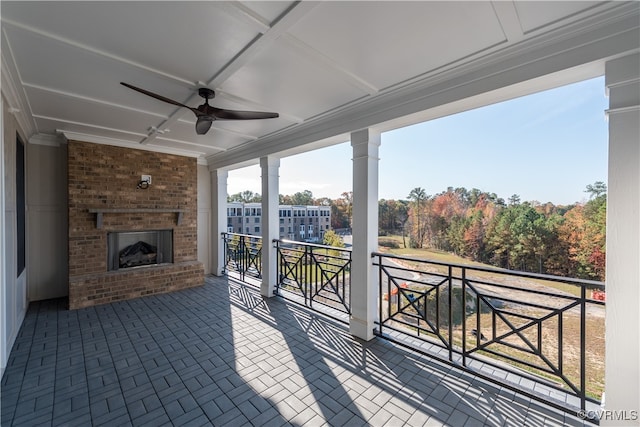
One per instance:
(222, 114)
(203, 124)
(156, 96)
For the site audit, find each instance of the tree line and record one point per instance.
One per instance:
(527, 236)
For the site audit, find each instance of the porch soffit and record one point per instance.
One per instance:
(328, 68)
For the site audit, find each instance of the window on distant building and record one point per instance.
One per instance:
(256, 229)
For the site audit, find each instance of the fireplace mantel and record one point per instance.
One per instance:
(101, 211)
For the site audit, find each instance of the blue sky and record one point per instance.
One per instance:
(547, 147)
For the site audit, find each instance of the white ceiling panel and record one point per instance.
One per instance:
(169, 144)
(190, 40)
(389, 42)
(185, 131)
(66, 109)
(291, 83)
(75, 71)
(533, 16)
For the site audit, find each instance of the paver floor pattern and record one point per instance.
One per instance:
(222, 355)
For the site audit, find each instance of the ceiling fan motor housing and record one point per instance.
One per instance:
(206, 93)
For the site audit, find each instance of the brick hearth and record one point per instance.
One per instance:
(106, 177)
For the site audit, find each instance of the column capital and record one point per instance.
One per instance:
(269, 162)
(365, 136)
(219, 173)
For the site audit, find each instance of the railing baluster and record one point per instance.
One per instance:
(464, 317)
(583, 347)
(450, 310)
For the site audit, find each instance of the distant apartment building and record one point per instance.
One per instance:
(301, 223)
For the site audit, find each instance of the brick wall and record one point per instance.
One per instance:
(104, 176)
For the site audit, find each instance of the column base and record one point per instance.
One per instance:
(267, 290)
(362, 329)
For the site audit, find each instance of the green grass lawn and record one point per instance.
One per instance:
(447, 257)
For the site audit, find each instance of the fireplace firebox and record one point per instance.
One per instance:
(131, 249)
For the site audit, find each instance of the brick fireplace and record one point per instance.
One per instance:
(106, 200)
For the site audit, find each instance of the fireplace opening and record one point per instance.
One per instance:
(139, 248)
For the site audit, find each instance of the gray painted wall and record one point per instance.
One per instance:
(47, 222)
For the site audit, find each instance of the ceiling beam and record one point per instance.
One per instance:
(290, 17)
(509, 21)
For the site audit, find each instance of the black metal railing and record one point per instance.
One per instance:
(542, 331)
(314, 274)
(243, 255)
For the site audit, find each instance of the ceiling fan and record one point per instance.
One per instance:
(207, 114)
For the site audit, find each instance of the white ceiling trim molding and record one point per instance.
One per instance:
(99, 52)
(617, 37)
(508, 17)
(47, 140)
(88, 125)
(245, 14)
(77, 136)
(16, 99)
(195, 144)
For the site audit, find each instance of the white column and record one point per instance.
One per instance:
(622, 363)
(270, 202)
(364, 280)
(218, 219)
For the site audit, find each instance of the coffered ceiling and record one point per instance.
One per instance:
(327, 68)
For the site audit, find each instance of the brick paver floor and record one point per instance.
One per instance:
(221, 355)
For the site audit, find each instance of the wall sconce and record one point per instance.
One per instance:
(145, 182)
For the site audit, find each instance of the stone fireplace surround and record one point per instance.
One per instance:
(103, 178)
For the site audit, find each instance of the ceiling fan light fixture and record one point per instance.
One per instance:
(203, 124)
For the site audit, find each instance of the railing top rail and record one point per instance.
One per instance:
(569, 280)
(224, 233)
(314, 245)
